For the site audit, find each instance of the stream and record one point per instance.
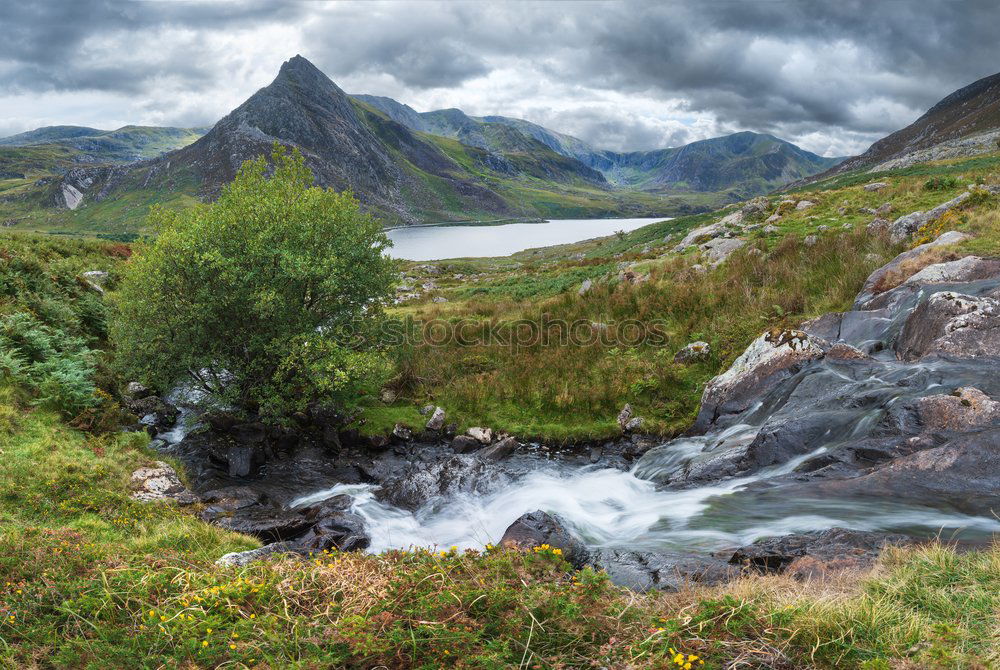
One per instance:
(837, 418)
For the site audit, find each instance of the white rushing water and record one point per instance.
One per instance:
(613, 508)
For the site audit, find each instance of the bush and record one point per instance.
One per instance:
(268, 299)
(940, 183)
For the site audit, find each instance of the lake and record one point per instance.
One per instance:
(431, 243)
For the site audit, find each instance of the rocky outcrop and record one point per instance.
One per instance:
(772, 357)
(276, 550)
(902, 228)
(908, 263)
(964, 473)
(951, 324)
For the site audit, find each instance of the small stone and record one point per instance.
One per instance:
(436, 422)
(633, 424)
(624, 416)
(483, 435)
(402, 432)
(811, 240)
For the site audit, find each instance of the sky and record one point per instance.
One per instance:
(830, 76)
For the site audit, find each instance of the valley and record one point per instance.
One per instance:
(727, 404)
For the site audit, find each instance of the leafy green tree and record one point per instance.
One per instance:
(268, 299)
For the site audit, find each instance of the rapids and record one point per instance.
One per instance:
(648, 508)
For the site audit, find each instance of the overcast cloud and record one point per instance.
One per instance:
(830, 76)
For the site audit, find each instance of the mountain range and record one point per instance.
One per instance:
(405, 166)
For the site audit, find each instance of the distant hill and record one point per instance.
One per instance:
(741, 165)
(968, 111)
(403, 165)
(404, 176)
(126, 144)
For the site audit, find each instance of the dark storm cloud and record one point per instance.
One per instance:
(837, 73)
(62, 45)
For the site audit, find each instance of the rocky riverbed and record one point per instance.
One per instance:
(818, 447)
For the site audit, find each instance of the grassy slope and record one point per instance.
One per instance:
(568, 393)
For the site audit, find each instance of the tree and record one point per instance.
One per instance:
(268, 298)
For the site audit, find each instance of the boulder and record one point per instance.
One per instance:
(964, 410)
(436, 422)
(693, 352)
(878, 226)
(136, 391)
(810, 240)
(719, 249)
(804, 204)
(883, 209)
(634, 424)
(270, 524)
(771, 358)
(160, 482)
(906, 259)
(585, 286)
(806, 555)
(700, 235)
(240, 459)
(951, 324)
(645, 570)
(537, 528)
(876, 186)
(401, 432)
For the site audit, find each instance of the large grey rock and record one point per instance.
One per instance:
(876, 186)
(772, 357)
(159, 482)
(906, 259)
(954, 325)
(719, 249)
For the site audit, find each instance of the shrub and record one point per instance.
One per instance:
(269, 298)
(941, 183)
